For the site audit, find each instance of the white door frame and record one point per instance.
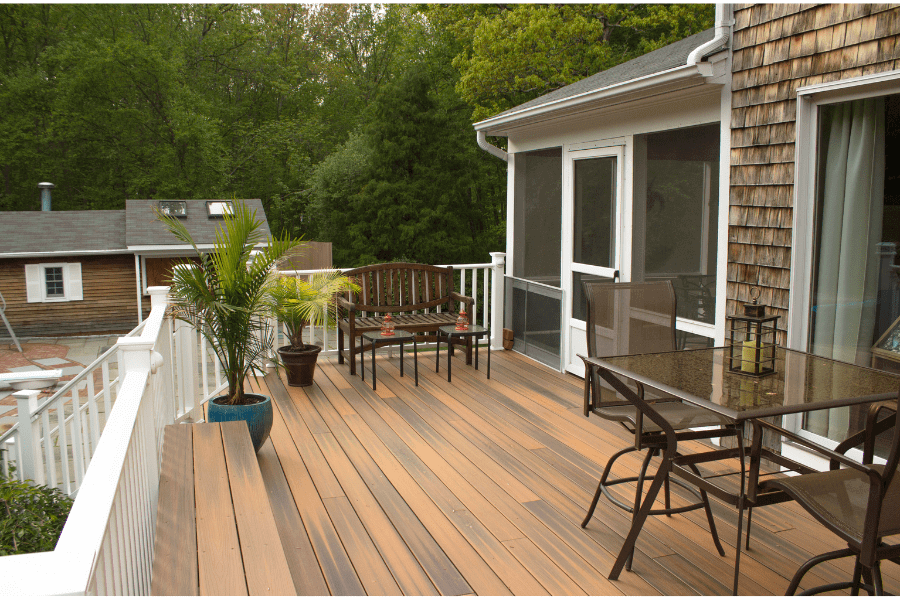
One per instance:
(620, 149)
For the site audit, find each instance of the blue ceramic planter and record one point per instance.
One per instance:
(258, 417)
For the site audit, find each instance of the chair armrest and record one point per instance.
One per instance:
(830, 454)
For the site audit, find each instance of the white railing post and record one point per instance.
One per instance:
(29, 435)
(498, 288)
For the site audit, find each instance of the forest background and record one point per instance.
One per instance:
(352, 123)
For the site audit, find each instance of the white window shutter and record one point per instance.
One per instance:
(34, 279)
(72, 276)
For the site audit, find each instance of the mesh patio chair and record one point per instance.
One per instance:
(857, 502)
(639, 318)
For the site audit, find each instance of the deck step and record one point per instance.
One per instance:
(204, 543)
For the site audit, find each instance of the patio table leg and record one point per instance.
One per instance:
(374, 379)
(449, 355)
(437, 359)
(362, 360)
(416, 360)
(489, 357)
(401, 359)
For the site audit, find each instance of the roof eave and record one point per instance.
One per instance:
(497, 125)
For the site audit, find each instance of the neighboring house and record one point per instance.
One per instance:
(756, 153)
(87, 272)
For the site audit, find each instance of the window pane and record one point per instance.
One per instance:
(538, 215)
(595, 211)
(53, 277)
(676, 208)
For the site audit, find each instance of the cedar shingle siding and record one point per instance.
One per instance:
(777, 49)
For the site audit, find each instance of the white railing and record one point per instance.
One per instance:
(106, 546)
(481, 281)
(113, 456)
(84, 404)
(58, 456)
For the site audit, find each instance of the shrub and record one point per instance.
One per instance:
(31, 517)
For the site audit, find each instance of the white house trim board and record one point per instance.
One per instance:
(809, 99)
(684, 75)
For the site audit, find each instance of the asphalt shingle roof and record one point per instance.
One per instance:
(144, 229)
(668, 57)
(62, 231)
(35, 231)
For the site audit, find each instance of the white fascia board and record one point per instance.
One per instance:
(62, 253)
(634, 85)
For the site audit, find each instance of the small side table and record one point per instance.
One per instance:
(400, 337)
(450, 332)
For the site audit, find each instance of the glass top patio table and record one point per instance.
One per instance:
(802, 382)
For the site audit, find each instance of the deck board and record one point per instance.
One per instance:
(479, 486)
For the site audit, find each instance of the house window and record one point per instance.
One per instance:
(219, 208)
(53, 280)
(56, 282)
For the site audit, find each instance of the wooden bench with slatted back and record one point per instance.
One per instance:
(215, 530)
(420, 299)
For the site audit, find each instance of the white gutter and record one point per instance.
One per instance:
(724, 21)
(59, 253)
(490, 148)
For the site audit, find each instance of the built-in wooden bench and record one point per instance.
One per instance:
(419, 298)
(215, 531)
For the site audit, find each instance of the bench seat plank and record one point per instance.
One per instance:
(265, 565)
(221, 567)
(175, 547)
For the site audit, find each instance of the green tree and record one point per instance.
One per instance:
(513, 53)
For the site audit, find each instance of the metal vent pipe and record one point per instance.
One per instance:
(45, 188)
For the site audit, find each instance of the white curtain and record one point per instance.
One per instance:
(851, 181)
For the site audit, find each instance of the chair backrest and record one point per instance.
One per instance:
(630, 318)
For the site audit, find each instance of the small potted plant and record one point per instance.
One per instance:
(224, 297)
(297, 303)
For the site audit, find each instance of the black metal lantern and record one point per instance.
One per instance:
(751, 342)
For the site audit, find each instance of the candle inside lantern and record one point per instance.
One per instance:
(748, 357)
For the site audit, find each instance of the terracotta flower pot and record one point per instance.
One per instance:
(300, 364)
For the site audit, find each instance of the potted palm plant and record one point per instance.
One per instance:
(297, 303)
(224, 298)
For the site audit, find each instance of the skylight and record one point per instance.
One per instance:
(219, 208)
(173, 208)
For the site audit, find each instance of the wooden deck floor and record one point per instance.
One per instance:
(479, 486)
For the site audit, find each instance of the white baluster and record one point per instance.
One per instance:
(63, 444)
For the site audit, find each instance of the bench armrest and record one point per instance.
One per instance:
(346, 304)
(467, 300)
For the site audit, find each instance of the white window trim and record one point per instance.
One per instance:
(809, 99)
(36, 279)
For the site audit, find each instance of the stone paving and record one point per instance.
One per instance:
(70, 354)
